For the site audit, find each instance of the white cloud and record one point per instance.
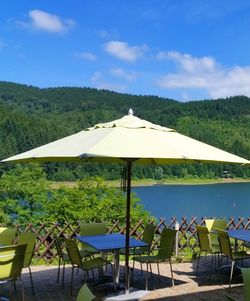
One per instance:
(189, 63)
(123, 51)
(120, 73)
(205, 73)
(88, 56)
(41, 20)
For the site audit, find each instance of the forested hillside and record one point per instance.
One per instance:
(30, 117)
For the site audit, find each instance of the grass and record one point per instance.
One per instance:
(151, 182)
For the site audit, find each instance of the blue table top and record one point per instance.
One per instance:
(109, 242)
(240, 234)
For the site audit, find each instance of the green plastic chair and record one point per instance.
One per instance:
(148, 236)
(85, 294)
(28, 238)
(7, 236)
(11, 263)
(246, 281)
(87, 229)
(205, 245)
(62, 258)
(78, 262)
(212, 225)
(165, 252)
(227, 250)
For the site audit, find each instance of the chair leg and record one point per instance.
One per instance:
(71, 281)
(22, 289)
(133, 269)
(147, 277)
(231, 273)
(212, 265)
(63, 275)
(198, 263)
(113, 275)
(31, 281)
(85, 276)
(151, 273)
(10, 293)
(171, 272)
(158, 268)
(218, 259)
(58, 270)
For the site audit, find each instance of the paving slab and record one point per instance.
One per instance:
(188, 286)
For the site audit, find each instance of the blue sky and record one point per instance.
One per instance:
(185, 49)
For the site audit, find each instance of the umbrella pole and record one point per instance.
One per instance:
(129, 171)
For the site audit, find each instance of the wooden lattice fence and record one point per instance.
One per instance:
(46, 251)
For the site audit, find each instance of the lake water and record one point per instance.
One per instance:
(213, 200)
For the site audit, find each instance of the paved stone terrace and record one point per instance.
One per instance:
(187, 287)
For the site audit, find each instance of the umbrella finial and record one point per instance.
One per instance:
(130, 112)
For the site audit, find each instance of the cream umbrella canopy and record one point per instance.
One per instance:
(127, 140)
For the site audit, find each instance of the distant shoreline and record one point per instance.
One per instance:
(152, 182)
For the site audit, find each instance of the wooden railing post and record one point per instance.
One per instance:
(177, 226)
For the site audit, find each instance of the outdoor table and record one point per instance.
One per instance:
(111, 242)
(239, 234)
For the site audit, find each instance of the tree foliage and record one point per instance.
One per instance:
(23, 194)
(26, 197)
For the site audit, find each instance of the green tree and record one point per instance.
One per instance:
(26, 197)
(23, 192)
(92, 201)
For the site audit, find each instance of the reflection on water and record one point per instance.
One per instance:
(213, 200)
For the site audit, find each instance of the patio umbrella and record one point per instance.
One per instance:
(127, 140)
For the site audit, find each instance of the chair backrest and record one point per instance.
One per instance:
(167, 242)
(57, 243)
(213, 224)
(7, 236)
(148, 236)
(11, 261)
(85, 294)
(203, 238)
(87, 229)
(246, 281)
(148, 233)
(73, 252)
(28, 238)
(224, 242)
